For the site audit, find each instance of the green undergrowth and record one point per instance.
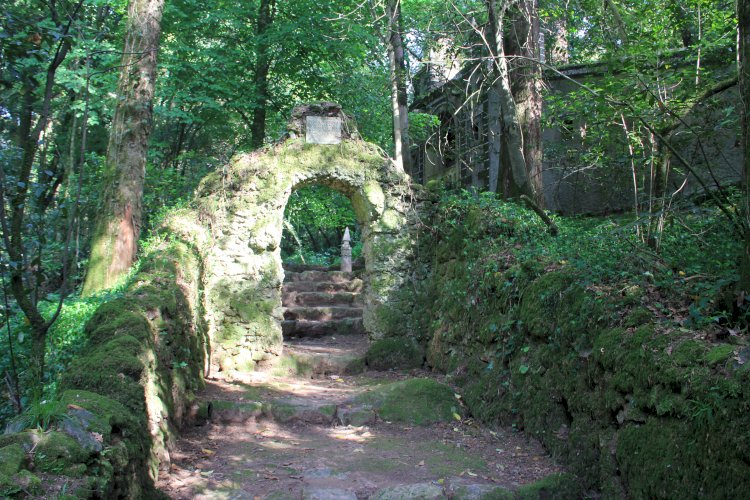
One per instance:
(314, 221)
(119, 403)
(66, 341)
(625, 364)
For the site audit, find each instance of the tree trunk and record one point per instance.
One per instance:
(743, 18)
(260, 76)
(658, 202)
(494, 138)
(526, 85)
(516, 179)
(398, 87)
(118, 226)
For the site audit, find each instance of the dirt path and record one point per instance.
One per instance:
(284, 437)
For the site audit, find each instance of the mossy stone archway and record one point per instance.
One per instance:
(244, 209)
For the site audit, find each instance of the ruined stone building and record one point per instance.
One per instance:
(464, 151)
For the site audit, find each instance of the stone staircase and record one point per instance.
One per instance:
(322, 327)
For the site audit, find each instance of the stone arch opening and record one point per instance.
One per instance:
(316, 217)
(243, 206)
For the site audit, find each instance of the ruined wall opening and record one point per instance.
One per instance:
(316, 219)
(243, 206)
(325, 280)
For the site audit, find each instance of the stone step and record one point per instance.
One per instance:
(280, 410)
(292, 299)
(330, 355)
(354, 285)
(329, 276)
(291, 267)
(298, 268)
(321, 313)
(317, 329)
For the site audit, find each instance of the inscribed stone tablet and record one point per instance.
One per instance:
(323, 130)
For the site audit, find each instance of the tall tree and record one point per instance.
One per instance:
(743, 22)
(266, 13)
(115, 238)
(388, 14)
(526, 85)
(515, 179)
(395, 43)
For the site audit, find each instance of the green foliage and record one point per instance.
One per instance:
(167, 190)
(40, 415)
(65, 342)
(320, 51)
(422, 126)
(318, 216)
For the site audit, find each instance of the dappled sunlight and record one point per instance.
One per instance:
(336, 387)
(349, 433)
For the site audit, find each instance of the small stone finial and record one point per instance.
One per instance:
(346, 252)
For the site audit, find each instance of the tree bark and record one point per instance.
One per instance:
(260, 76)
(515, 177)
(118, 226)
(399, 102)
(494, 139)
(743, 52)
(526, 85)
(658, 203)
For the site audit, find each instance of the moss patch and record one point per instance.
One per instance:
(719, 354)
(58, 453)
(556, 486)
(399, 353)
(418, 401)
(11, 459)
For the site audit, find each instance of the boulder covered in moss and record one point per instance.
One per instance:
(419, 401)
(11, 459)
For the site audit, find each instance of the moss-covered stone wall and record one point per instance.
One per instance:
(243, 207)
(635, 408)
(123, 401)
(209, 295)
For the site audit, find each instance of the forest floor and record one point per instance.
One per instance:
(312, 438)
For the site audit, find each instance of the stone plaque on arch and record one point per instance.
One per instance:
(322, 129)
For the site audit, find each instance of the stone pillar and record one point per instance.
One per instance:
(346, 253)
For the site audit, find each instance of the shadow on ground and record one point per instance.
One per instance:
(285, 437)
